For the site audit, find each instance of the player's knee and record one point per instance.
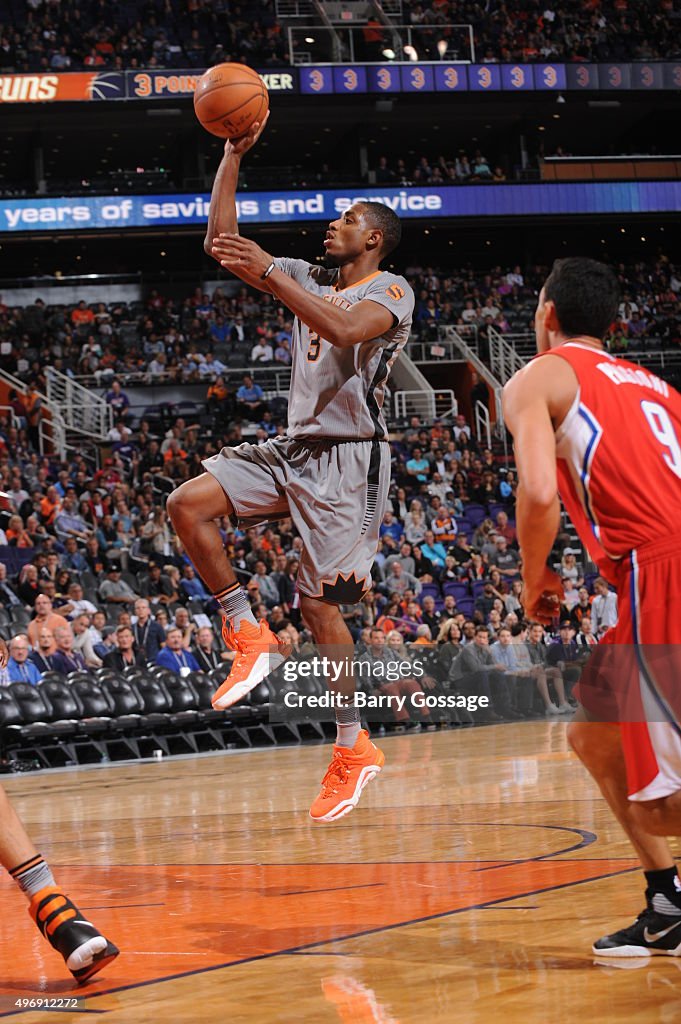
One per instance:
(184, 505)
(654, 817)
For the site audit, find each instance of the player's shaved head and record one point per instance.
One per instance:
(381, 217)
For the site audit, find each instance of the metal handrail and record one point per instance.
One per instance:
(409, 38)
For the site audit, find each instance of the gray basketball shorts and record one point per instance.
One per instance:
(334, 491)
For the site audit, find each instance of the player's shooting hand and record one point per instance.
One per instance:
(237, 147)
(240, 255)
(4, 653)
(541, 598)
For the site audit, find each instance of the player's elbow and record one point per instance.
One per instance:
(343, 335)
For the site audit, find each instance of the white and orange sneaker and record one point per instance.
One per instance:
(259, 652)
(346, 777)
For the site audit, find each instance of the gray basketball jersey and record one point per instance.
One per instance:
(339, 392)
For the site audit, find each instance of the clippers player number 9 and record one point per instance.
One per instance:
(663, 429)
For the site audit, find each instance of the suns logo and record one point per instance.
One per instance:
(550, 77)
(451, 78)
(517, 78)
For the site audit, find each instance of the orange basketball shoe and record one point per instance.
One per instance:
(346, 777)
(259, 652)
(85, 950)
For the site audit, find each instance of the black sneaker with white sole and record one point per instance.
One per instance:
(651, 934)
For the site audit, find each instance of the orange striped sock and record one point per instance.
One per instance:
(235, 604)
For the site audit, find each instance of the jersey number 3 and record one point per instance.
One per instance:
(663, 429)
(314, 348)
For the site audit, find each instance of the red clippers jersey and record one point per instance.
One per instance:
(619, 455)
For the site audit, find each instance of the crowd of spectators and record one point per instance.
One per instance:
(202, 337)
(41, 35)
(467, 167)
(44, 35)
(649, 314)
(92, 574)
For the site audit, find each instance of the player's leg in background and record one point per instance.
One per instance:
(355, 759)
(194, 508)
(599, 747)
(330, 631)
(84, 949)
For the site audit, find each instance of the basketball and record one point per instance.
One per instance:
(229, 98)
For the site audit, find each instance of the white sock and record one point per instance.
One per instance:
(347, 733)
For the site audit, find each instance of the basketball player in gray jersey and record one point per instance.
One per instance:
(331, 472)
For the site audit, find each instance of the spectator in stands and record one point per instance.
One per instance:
(76, 604)
(391, 526)
(45, 617)
(585, 637)
(156, 534)
(82, 640)
(118, 400)
(148, 633)
(603, 608)
(504, 528)
(20, 669)
(569, 569)
(192, 586)
(372, 670)
(538, 652)
(505, 559)
(478, 672)
(415, 526)
(157, 587)
(124, 655)
(418, 467)
(250, 399)
(206, 653)
(434, 550)
(398, 581)
(564, 653)
(65, 659)
(72, 558)
(262, 352)
(8, 596)
(115, 590)
(43, 650)
(174, 657)
(182, 621)
(430, 616)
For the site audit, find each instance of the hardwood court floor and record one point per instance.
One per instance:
(468, 885)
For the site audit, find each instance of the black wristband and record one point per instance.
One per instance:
(269, 270)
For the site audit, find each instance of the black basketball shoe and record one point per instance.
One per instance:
(651, 934)
(85, 950)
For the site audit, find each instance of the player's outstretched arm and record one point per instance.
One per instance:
(343, 328)
(223, 214)
(528, 402)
